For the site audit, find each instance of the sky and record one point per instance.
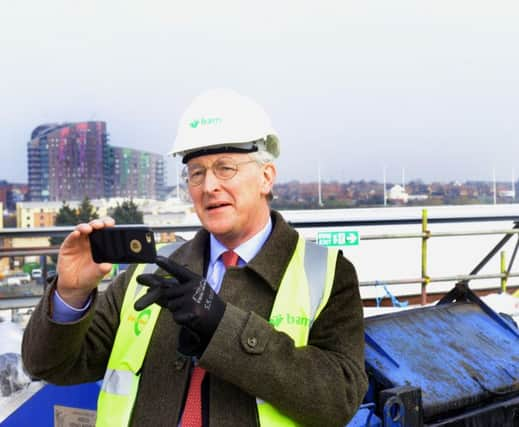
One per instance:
(357, 87)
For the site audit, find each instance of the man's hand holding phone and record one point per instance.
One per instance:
(127, 244)
(78, 274)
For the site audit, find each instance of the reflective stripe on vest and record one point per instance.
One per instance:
(302, 294)
(304, 291)
(121, 381)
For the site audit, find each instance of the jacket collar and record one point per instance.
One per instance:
(270, 263)
(272, 260)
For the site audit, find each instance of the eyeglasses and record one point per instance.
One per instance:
(224, 168)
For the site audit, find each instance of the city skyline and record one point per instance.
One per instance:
(69, 161)
(357, 87)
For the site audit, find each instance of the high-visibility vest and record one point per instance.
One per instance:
(302, 294)
(121, 381)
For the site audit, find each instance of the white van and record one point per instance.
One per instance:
(36, 273)
(17, 279)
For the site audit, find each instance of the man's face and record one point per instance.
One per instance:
(232, 209)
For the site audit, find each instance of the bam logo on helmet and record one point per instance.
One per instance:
(205, 122)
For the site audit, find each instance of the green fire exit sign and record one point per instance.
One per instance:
(338, 238)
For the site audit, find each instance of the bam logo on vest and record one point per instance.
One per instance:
(290, 320)
(140, 320)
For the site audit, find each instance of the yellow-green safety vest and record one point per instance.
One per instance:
(302, 294)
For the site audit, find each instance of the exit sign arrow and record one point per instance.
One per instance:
(338, 238)
(352, 238)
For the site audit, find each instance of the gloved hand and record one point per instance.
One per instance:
(190, 299)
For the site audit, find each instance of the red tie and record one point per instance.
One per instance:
(229, 258)
(192, 416)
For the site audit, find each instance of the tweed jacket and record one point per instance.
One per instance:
(320, 384)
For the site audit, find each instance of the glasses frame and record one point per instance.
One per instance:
(235, 164)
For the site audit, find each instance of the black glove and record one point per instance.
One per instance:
(189, 297)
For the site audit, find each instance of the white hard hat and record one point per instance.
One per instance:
(221, 120)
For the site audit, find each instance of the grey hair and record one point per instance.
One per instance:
(263, 157)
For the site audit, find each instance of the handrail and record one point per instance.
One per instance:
(436, 234)
(62, 231)
(400, 221)
(53, 250)
(8, 252)
(455, 277)
(424, 235)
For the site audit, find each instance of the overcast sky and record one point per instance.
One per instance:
(429, 86)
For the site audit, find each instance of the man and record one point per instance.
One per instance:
(269, 333)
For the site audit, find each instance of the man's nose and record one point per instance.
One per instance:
(211, 182)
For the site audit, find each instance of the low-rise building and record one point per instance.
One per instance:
(43, 214)
(397, 194)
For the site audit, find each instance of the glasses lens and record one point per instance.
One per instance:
(225, 168)
(194, 174)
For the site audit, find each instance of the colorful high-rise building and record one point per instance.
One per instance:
(72, 160)
(135, 173)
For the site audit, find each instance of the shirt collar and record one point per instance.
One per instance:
(247, 250)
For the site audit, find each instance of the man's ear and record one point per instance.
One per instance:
(268, 178)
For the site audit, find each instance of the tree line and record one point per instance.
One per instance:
(125, 213)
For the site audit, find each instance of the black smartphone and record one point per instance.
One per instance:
(123, 244)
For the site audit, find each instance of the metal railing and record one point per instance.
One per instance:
(424, 235)
(425, 279)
